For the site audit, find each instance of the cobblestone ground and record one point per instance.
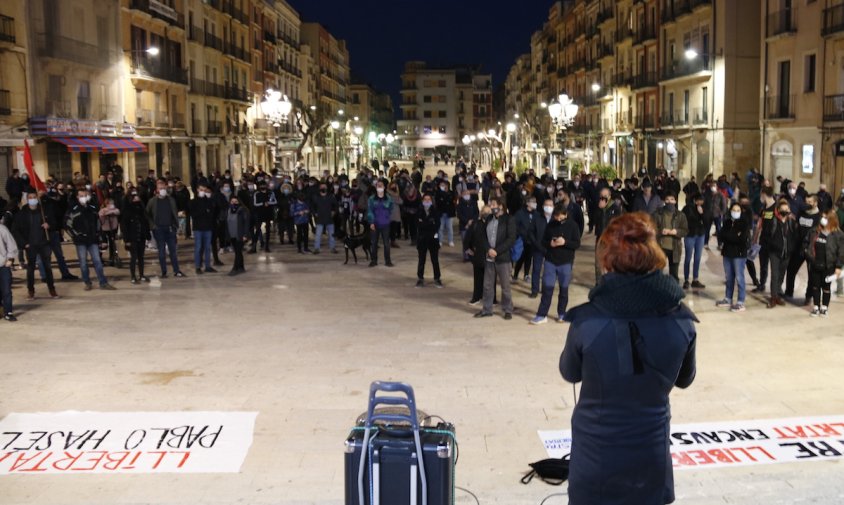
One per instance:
(299, 338)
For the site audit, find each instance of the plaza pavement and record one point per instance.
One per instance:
(299, 338)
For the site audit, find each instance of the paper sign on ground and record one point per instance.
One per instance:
(125, 442)
(739, 443)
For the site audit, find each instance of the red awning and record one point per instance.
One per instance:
(106, 145)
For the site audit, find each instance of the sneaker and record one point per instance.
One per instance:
(686, 285)
(389, 264)
(527, 278)
(420, 283)
(483, 314)
(198, 271)
(30, 296)
(210, 270)
(53, 294)
(539, 320)
(533, 295)
(145, 278)
(88, 286)
(107, 287)
(438, 283)
(451, 244)
(824, 311)
(723, 303)
(372, 264)
(759, 289)
(508, 316)
(133, 281)
(815, 312)
(178, 274)
(474, 302)
(739, 307)
(10, 317)
(218, 263)
(561, 319)
(697, 284)
(70, 277)
(163, 275)
(316, 251)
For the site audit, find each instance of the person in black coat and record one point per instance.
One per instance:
(493, 240)
(783, 236)
(629, 346)
(536, 233)
(428, 224)
(560, 240)
(694, 240)
(32, 231)
(734, 234)
(134, 226)
(203, 213)
(264, 204)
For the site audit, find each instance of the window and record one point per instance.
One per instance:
(443, 114)
(442, 130)
(808, 158)
(426, 129)
(426, 98)
(809, 63)
(441, 83)
(428, 114)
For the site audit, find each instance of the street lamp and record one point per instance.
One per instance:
(335, 125)
(152, 51)
(563, 111)
(511, 130)
(690, 54)
(276, 107)
(596, 87)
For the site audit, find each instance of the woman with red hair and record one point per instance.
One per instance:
(629, 346)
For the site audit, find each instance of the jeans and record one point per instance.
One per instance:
(524, 260)
(763, 266)
(673, 266)
(166, 237)
(778, 269)
(384, 233)
(536, 273)
(424, 247)
(6, 288)
(501, 271)
(92, 250)
(446, 229)
(554, 274)
(329, 228)
(693, 246)
(202, 248)
(734, 271)
(56, 246)
(33, 254)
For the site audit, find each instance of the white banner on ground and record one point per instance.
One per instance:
(125, 442)
(739, 443)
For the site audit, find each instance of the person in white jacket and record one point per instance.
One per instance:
(8, 253)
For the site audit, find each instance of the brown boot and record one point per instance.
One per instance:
(772, 302)
(53, 293)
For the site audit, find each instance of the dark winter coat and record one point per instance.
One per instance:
(28, 230)
(783, 238)
(428, 225)
(566, 229)
(134, 224)
(203, 212)
(696, 221)
(467, 211)
(834, 249)
(734, 234)
(629, 345)
(503, 242)
(537, 232)
(83, 223)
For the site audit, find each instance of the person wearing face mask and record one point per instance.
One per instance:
(493, 241)
(467, 212)
(807, 220)
(219, 242)
(411, 207)
(324, 209)
(714, 208)
(795, 202)
(762, 234)
(428, 224)
(136, 232)
(164, 221)
(264, 203)
(109, 224)
(824, 199)
(82, 222)
(285, 219)
(395, 214)
(55, 204)
(378, 214)
(181, 195)
(32, 230)
(524, 221)
(203, 213)
(781, 243)
(734, 235)
(237, 229)
(647, 201)
(535, 236)
(671, 228)
(693, 241)
(301, 213)
(446, 210)
(561, 240)
(824, 251)
(608, 209)
(8, 253)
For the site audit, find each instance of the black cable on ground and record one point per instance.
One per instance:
(551, 496)
(470, 494)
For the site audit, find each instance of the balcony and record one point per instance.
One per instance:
(269, 36)
(604, 15)
(235, 93)
(624, 32)
(206, 88)
(144, 66)
(643, 34)
(178, 120)
(644, 121)
(679, 118)
(623, 79)
(782, 22)
(645, 80)
(236, 14)
(685, 67)
(160, 11)
(215, 127)
(213, 41)
(234, 51)
(51, 45)
(700, 116)
(674, 9)
(833, 20)
(833, 107)
(271, 67)
(7, 29)
(196, 126)
(5, 103)
(143, 117)
(779, 107)
(196, 34)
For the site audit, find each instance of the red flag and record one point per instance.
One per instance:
(34, 180)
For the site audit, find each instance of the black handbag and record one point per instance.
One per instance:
(552, 471)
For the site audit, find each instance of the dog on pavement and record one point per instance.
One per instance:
(352, 242)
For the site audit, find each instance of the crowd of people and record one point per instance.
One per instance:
(508, 225)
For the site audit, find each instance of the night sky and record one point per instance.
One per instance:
(383, 34)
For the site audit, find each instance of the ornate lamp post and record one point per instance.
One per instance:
(335, 125)
(511, 131)
(563, 111)
(276, 107)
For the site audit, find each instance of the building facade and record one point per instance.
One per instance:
(14, 82)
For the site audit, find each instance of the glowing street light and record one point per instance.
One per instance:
(691, 54)
(511, 127)
(596, 87)
(152, 51)
(563, 111)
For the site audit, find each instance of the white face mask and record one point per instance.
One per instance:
(467, 197)
(532, 206)
(32, 202)
(714, 189)
(162, 192)
(792, 191)
(111, 206)
(83, 200)
(824, 222)
(548, 210)
(380, 191)
(735, 214)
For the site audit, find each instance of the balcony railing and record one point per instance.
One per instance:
(229, 8)
(684, 67)
(7, 29)
(645, 121)
(645, 79)
(196, 34)
(680, 117)
(213, 41)
(269, 36)
(215, 127)
(644, 33)
(289, 40)
(235, 93)
(5, 103)
(232, 49)
(782, 22)
(178, 120)
(160, 11)
(51, 45)
(143, 117)
(700, 116)
(833, 19)
(780, 107)
(833, 108)
(147, 66)
(196, 126)
(624, 32)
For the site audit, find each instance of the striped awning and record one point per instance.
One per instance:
(105, 145)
